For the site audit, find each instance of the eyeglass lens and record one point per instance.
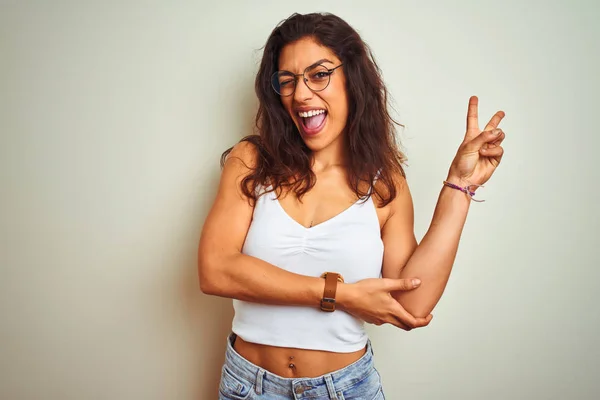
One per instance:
(316, 78)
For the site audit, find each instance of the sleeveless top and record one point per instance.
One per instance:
(348, 243)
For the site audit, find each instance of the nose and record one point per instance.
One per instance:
(302, 92)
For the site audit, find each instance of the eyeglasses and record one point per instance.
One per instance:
(316, 77)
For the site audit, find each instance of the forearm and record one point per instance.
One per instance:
(432, 260)
(242, 277)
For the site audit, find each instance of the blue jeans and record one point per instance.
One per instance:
(242, 380)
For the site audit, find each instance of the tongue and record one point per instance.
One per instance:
(314, 122)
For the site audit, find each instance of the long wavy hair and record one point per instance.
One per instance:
(284, 160)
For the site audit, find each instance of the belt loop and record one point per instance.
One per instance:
(330, 387)
(259, 381)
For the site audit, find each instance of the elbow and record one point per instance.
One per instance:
(208, 276)
(418, 308)
(206, 286)
(421, 312)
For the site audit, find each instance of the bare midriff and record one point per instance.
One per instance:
(294, 363)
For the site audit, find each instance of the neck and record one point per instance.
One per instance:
(330, 156)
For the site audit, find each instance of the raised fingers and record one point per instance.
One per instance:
(494, 121)
(472, 118)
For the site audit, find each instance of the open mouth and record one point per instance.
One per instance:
(312, 121)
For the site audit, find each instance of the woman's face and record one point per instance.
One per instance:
(329, 105)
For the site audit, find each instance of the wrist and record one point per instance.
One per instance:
(458, 181)
(461, 185)
(344, 296)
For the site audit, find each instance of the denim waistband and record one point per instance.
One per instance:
(324, 385)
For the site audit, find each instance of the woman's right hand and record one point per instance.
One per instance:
(371, 301)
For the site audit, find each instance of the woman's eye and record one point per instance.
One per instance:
(321, 75)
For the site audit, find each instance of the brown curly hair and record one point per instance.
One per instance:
(283, 159)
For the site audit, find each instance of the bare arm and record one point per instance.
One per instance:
(476, 160)
(432, 260)
(223, 269)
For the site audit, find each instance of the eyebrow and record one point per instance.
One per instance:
(321, 61)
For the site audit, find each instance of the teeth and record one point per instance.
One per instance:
(310, 113)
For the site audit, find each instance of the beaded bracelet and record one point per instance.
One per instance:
(465, 189)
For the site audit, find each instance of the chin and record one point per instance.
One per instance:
(314, 147)
(319, 142)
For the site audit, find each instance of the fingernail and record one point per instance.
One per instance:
(497, 131)
(416, 282)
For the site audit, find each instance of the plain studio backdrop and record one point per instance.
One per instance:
(113, 117)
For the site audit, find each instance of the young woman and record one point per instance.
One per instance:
(311, 232)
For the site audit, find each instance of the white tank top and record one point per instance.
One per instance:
(349, 243)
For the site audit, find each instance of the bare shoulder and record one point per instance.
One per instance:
(229, 218)
(402, 201)
(243, 155)
(399, 184)
(237, 163)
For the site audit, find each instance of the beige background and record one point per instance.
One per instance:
(112, 120)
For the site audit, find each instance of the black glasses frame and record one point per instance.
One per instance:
(329, 72)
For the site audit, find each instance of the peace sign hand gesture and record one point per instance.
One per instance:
(480, 152)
